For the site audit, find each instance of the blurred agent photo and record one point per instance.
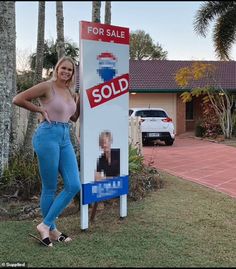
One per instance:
(108, 163)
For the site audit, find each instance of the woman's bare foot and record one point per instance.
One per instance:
(55, 235)
(43, 229)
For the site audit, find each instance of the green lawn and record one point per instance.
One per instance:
(181, 225)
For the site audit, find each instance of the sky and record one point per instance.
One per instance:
(168, 23)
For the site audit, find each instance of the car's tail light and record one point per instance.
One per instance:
(167, 120)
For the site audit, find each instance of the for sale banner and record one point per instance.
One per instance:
(104, 85)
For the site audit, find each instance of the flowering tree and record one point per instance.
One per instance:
(221, 100)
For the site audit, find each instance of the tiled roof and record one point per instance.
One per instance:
(159, 75)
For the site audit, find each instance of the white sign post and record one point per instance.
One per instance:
(104, 86)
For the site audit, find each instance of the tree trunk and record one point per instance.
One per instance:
(7, 77)
(96, 8)
(60, 30)
(14, 124)
(228, 121)
(108, 12)
(27, 149)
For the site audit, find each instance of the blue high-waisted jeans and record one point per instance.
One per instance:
(51, 142)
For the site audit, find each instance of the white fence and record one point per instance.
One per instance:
(135, 135)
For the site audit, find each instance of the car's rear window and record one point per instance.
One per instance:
(151, 113)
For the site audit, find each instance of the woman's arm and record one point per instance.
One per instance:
(24, 98)
(75, 117)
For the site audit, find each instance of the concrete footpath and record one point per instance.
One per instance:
(207, 163)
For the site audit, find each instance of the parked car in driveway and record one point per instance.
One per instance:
(155, 125)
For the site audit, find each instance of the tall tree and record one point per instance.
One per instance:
(96, 11)
(107, 19)
(60, 29)
(14, 124)
(7, 77)
(224, 31)
(50, 55)
(142, 47)
(27, 149)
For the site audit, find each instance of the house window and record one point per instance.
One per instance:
(189, 110)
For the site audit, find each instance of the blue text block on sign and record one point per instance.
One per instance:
(104, 189)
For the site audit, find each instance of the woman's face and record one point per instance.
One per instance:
(106, 144)
(65, 71)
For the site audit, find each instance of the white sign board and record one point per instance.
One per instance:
(104, 91)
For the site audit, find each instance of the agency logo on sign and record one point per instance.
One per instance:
(106, 66)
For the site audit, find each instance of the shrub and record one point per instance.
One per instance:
(143, 182)
(210, 121)
(142, 178)
(21, 177)
(199, 130)
(135, 160)
(234, 124)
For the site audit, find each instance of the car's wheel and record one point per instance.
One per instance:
(169, 142)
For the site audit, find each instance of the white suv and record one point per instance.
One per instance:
(155, 124)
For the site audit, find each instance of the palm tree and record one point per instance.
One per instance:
(224, 31)
(50, 55)
(60, 29)
(108, 12)
(96, 9)
(14, 123)
(7, 77)
(27, 149)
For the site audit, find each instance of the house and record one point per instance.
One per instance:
(152, 84)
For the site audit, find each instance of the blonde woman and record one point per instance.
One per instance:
(51, 142)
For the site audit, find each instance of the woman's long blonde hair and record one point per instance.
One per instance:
(71, 82)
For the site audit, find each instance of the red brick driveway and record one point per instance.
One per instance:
(207, 163)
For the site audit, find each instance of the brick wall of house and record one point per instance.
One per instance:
(180, 116)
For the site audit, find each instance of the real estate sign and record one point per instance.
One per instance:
(104, 86)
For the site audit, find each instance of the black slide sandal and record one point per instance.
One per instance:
(46, 241)
(62, 237)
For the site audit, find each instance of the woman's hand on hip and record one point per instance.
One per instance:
(44, 115)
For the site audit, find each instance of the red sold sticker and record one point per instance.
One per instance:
(107, 91)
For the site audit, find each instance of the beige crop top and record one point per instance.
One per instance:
(59, 109)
